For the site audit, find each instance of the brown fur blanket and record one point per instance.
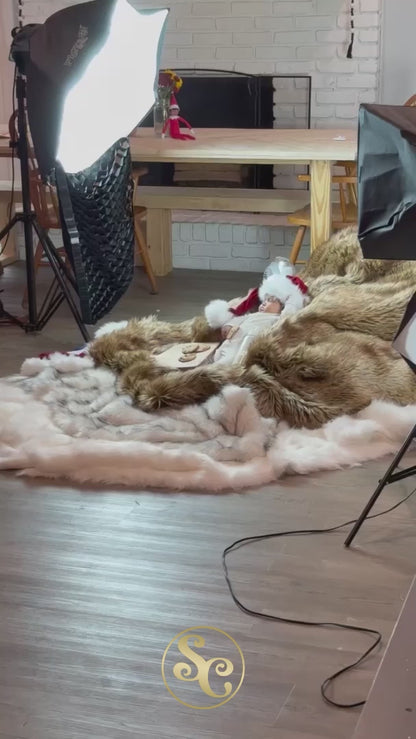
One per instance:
(333, 357)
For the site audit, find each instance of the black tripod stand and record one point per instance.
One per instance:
(63, 279)
(389, 477)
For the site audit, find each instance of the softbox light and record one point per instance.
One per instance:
(387, 181)
(387, 198)
(91, 71)
(387, 230)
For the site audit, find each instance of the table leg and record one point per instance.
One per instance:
(321, 205)
(159, 240)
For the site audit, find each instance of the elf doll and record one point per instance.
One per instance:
(174, 121)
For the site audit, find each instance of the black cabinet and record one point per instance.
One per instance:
(217, 99)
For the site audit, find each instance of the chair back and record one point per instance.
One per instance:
(347, 197)
(44, 200)
(347, 188)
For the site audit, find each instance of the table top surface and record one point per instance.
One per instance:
(241, 146)
(247, 146)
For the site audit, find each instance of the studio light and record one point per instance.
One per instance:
(387, 181)
(387, 230)
(86, 78)
(387, 197)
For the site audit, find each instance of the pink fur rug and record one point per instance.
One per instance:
(63, 418)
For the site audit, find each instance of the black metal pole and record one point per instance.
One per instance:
(37, 319)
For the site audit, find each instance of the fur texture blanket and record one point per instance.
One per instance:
(334, 357)
(63, 418)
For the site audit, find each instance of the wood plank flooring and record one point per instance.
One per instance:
(95, 582)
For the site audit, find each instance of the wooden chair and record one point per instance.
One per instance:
(344, 213)
(141, 244)
(411, 102)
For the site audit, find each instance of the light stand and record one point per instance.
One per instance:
(60, 288)
(386, 165)
(388, 478)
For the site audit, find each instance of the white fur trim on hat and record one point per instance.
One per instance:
(217, 313)
(282, 288)
(108, 328)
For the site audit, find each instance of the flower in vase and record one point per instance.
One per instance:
(169, 78)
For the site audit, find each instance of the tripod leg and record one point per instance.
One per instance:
(37, 263)
(383, 482)
(59, 270)
(9, 227)
(6, 317)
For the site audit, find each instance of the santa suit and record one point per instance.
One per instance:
(173, 123)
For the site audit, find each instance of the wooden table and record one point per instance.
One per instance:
(318, 148)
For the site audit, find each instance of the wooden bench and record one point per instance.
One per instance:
(159, 203)
(10, 254)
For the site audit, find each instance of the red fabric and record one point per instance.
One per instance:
(46, 355)
(251, 301)
(174, 128)
(298, 282)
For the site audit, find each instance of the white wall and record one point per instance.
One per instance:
(6, 73)
(398, 78)
(265, 37)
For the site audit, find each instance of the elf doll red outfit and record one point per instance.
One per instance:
(174, 121)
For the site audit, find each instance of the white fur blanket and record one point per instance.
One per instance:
(61, 417)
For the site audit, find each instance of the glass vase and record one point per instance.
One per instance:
(160, 114)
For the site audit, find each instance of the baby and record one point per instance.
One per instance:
(239, 332)
(280, 295)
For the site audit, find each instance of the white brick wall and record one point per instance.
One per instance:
(267, 36)
(231, 247)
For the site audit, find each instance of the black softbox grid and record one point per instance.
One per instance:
(98, 229)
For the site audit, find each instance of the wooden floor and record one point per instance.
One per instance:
(95, 582)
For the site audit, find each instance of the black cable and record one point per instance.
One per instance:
(251, 612)
(20, 13)
(351, 44)
(11, 202)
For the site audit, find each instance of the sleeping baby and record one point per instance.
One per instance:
(279, 295)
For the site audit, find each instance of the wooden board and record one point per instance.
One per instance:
(247, 146)
(221, 199)
(241, 146)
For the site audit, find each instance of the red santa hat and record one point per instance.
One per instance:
(173, 102)
(290, 290)
(286, 288)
